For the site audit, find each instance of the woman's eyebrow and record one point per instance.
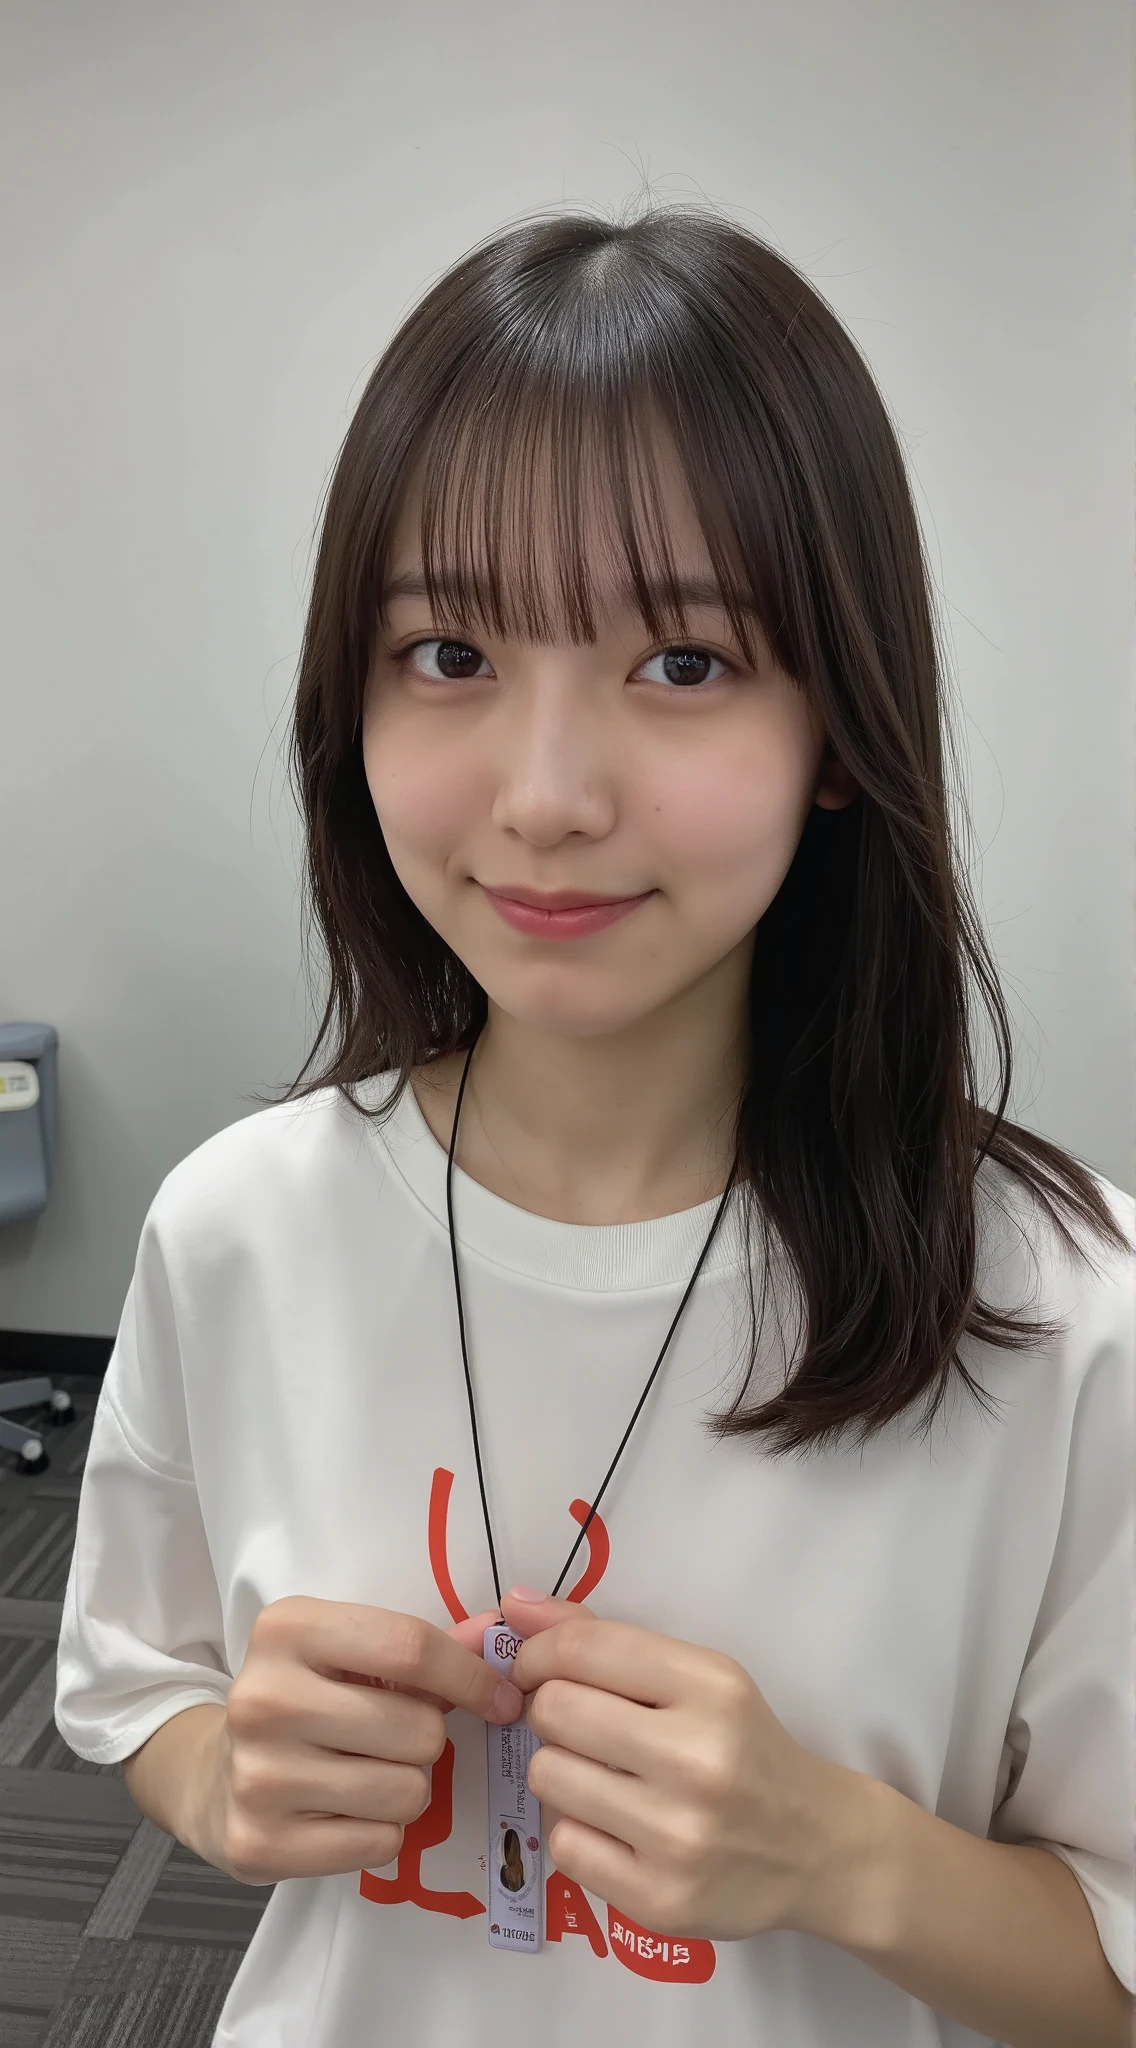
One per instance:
(691, 591)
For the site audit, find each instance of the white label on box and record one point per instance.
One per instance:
(516, 1857)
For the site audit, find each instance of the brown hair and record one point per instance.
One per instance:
(860, 1130)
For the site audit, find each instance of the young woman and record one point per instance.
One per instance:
(649, 1093)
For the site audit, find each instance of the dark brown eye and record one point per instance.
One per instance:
(443, 661)
(456, 660)
(685, 666)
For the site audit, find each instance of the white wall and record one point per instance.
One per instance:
(213, 215)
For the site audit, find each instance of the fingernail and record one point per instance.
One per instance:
(525, 1593)
(507, 1702)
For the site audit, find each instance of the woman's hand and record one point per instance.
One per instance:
(312, 1773)
(680, 1798)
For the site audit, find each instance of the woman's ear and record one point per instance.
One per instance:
(836, 784)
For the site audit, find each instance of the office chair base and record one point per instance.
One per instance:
(50, 1404)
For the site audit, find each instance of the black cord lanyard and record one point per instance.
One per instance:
(465, 1355)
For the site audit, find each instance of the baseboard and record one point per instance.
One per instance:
(41, 1351)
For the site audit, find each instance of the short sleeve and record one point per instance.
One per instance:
(1068, 1768)
(141, 1635)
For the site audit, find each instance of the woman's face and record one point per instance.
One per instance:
(668, 772)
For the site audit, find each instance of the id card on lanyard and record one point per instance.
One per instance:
(516, 1856)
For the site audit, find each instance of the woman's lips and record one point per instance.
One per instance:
(573, 923)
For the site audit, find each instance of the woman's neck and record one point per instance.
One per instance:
(617, 1128)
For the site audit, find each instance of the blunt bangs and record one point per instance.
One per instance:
(539, 479)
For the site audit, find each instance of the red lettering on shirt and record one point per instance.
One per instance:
(659, 1956)
(431, 1827)
(566, 1911)
(437, 1522)
(599, 1551)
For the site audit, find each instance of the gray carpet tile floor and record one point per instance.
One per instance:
(111, 1934)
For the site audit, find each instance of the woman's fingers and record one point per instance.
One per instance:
(601, 1725)
(471, 1635)
(616, 1657)
(577, 1789)
(428, 1647)
(344, 1787)
(532, 1614)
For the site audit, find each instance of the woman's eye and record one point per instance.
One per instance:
(455, 660)
(685, 666)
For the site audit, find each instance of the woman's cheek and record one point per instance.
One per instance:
(738, 834)
(420, 809)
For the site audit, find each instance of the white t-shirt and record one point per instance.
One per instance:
(285, 1412)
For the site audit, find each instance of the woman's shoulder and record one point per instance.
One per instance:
(298, 1148)
(1039, 1253)
(1013, 1207)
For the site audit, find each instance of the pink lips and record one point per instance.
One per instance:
(563, 914)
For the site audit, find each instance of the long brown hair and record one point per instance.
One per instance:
(553, 347)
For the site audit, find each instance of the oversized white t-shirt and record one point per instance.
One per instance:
(285, 1412)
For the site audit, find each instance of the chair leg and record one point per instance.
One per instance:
(27, 1442)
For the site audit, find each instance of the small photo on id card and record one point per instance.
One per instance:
(516, 1857)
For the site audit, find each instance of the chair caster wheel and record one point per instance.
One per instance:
(33, 1457)
(61, 1409)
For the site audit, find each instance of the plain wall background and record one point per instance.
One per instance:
(213, 217)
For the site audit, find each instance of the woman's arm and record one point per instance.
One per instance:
(994, 1934)
(171, 1777)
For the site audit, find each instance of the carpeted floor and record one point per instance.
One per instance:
(111, 1934)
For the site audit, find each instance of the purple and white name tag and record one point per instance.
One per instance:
(516, 1857)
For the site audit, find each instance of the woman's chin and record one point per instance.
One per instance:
(573, 1013)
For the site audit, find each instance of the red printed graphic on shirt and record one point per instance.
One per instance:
(431, 1827)
(567, 1907)
(436, 1523)
(566, 1911)
(657, 1955)
(599, 1547)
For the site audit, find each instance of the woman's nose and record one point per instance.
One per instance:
(556, 776)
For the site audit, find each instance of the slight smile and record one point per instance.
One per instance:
(564, 914)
